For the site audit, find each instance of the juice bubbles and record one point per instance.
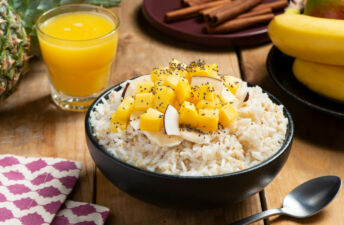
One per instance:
(78, 48)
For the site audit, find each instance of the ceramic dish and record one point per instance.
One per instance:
(280, 67)
(191, 30)
(186, 191)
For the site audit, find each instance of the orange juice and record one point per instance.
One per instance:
(78, 49)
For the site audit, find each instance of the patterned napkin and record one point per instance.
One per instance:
(32, 191)
(80, 213)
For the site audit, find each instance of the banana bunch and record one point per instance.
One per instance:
(318, 46)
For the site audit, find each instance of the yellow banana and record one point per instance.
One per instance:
(324, 79)
(309, 38)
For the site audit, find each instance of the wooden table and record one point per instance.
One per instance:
(31, 125)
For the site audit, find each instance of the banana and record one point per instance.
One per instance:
(310, 38)
(162, 139)
(324, 79)
(194, 136)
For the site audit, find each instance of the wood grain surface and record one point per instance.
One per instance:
(31, 125)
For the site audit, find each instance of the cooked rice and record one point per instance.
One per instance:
(252, 138)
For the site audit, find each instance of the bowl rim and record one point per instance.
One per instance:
(92, 138)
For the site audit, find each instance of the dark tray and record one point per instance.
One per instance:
(191, 30)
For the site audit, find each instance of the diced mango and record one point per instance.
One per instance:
(199, 68)
(208, 119)
(145, 87)
(227, 114)
(176, 64)
(159, 74)
(116, 123)
(202, 92)
(183, 90)
(152, 120)
(125, 108)
(188, 114)
(143, 101)
(163, 96)
(172, 81)
(204, 104)
(179, 68)
(177, 105)
(232, 83)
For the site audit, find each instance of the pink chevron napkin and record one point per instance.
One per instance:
(32, 190)
(80, 213)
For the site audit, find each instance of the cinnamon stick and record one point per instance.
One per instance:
(190, 12)
(232, 12)
(239, 24)
(255, 13)
(196, 2)
(275, 6)
(210, 15)
(209, 10)
(205, 12)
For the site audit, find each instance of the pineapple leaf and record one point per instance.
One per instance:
(30, 10)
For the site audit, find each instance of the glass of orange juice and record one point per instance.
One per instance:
(78, 44)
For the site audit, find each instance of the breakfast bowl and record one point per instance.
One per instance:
(187, 190)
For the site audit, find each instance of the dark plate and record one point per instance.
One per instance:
(186, 191)
(191, 30)
(280, 69)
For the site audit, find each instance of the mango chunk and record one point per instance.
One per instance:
(176, 65)
(143, 101)
(152, 120)
(204, 104)
(232, 83)
(208, 119)
(117, 124)
(183, 90)
(172, 81)
(145, 87)
(215, 103)
(227, 114)
(188, 114)
(159, 74)
(125, 108)
(177, 105)
(179, 68)
(202, 92)
(163, 96)
(199, 68)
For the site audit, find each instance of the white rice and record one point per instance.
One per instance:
(252, 138)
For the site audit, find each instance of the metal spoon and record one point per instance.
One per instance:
(304, 201)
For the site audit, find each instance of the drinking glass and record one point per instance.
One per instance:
(79, 68)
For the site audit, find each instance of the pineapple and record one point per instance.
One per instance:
(14, 50)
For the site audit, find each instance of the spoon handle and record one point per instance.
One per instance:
(258, 216)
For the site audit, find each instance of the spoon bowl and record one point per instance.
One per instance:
(312, 196)
(305, 200)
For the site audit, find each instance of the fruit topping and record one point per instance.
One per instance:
(181, 100)
(188, 114)
(151, 120)
(143, 101)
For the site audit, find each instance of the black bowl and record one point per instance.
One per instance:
(187, 191)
